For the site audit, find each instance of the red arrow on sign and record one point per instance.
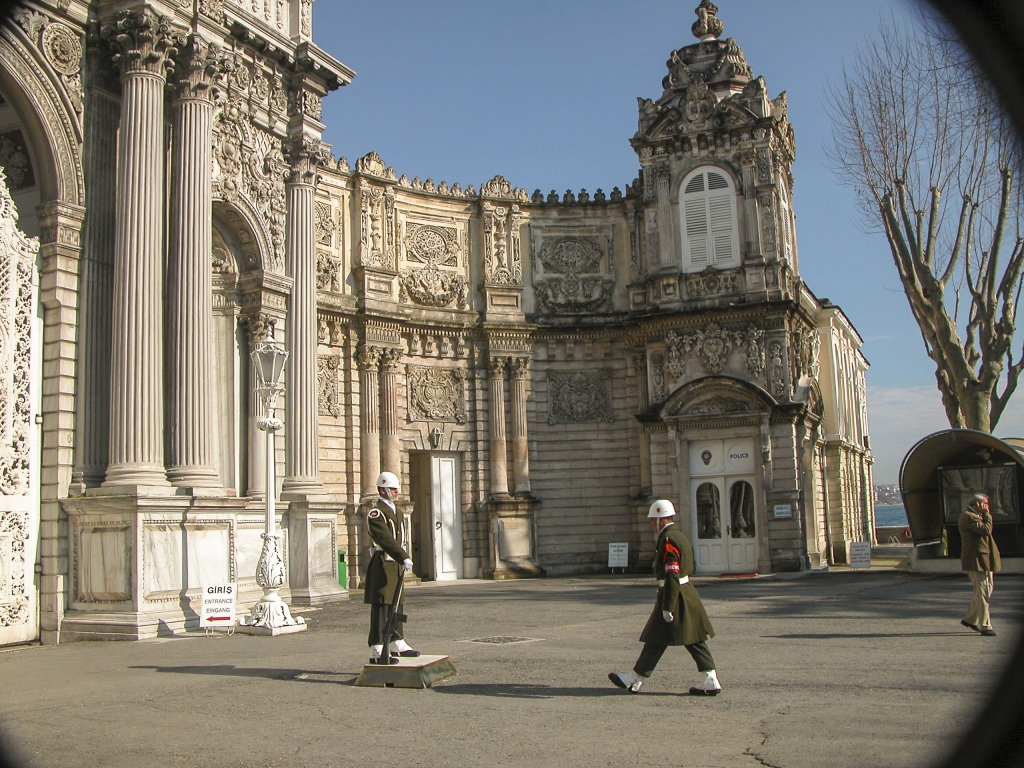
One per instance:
(218, 618)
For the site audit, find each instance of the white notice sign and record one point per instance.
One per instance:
(860, 554)
(218, 606)
(618, 555)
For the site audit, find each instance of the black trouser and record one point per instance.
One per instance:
(379, 619)
(651, 655)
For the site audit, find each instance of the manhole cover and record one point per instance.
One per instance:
(504, 640)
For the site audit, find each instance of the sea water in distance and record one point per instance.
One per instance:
(890, 515)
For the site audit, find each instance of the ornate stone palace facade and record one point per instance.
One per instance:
(536, 367)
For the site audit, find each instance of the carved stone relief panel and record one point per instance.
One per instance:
(427, 248)
(323, 222)
(777, 370)
(713, 345)
(579, 396)
(502, 258)
(14, 598)
(712, 282)
(376, 226)
(436, 394)
(328, 272)
(806, 345)
(61, 47)
(574, 269)
(327, 385)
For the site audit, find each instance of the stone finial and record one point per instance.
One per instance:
(707, 26)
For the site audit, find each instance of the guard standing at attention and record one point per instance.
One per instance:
(388, 557)
(679, 617)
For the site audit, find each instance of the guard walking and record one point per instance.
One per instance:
(679, 617)
(389, 556)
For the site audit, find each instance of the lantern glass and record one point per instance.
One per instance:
(269, 359)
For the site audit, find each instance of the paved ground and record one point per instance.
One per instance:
(828, 669)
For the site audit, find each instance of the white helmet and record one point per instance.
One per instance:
(388, 480)
(662, 508)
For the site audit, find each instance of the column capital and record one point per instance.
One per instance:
(305, 155)
(143, 42)
(497, 364)
(519, 367)
(390, 358)
(368, 357)
(200, 65)
(258, 327)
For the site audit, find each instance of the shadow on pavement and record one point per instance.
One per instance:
(518, 691)
(865, 635)
(229, 670)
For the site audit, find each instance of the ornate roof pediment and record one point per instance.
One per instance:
(716, 396)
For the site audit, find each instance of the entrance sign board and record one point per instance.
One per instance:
(218, 606)
(782, 510)
(860, 554)
(618, 555)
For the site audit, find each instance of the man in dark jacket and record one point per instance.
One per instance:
(389, 556)
(979, 557)
(679, 617)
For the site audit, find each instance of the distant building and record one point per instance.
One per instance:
(537, 368)
(887, 495)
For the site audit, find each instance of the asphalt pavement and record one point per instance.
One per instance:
(823, 669)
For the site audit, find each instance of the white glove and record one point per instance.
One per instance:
(407, 564)
(667, 616)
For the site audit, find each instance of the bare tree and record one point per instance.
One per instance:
(936, 166)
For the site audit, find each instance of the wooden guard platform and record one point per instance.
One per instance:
(420, 672)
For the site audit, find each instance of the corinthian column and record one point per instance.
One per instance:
(143, 48)
(520, 438)
(190, 291)
(391, 457)
(499, 459)
(302, 472)
(369, 419)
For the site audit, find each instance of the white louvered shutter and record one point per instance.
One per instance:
(696, 212)
(709, 222)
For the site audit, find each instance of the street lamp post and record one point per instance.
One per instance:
(271, 612)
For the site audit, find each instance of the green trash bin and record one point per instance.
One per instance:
(342, 569)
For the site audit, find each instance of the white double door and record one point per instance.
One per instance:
(724, 504)
(446, 517)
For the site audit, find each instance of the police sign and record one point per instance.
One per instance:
(218, 606)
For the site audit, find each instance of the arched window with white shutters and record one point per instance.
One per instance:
(707, 206)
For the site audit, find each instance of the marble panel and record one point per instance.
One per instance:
(248, 545)
(514, 537)
(162, 561)
(104, 564)
(324, 555)
(209, 554)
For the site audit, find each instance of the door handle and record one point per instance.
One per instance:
(728, 530)
(437, 525)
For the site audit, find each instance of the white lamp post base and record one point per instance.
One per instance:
(270, 616)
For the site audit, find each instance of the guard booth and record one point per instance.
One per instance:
(939, 475)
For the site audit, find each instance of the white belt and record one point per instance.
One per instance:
(374, 549)
(684, 580)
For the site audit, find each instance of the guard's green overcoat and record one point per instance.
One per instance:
(385, 526)
(673, 559)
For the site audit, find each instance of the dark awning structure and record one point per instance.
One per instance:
(920, 477)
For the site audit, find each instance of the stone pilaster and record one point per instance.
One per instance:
(499, 456)
(92, 411)
(369, 418)
(390, 448)
(643, 403)
(302, 473)
(190, 460)
(144, 45)
(520, 439)
(258, 328)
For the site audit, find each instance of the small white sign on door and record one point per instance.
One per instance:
(860, 554)
(782, 510)
(218, 606)
(618, 555)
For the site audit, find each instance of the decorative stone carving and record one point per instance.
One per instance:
(429, 244)
(573, 257)
(712, 282)
(17, 262)
(62, 48)
(658, 389)
(306, 156)
(327, 385)
(717, 406)
(713, 344)
(368, 357)
(500, 187)
(372, 164)
(433, 287)
(707, 26)
(200, 65)
(778, 372)
(503, 263)
(324, 224)
(436, 394)
(266, 176)
(306, 103)
(579, 396)
(328, 272)
(636, 267)
(16, 160)
(755, 351)
(14, 599)
(764, 166)
(806, 346)
(376, 244)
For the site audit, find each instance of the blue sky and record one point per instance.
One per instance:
(544, 93)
